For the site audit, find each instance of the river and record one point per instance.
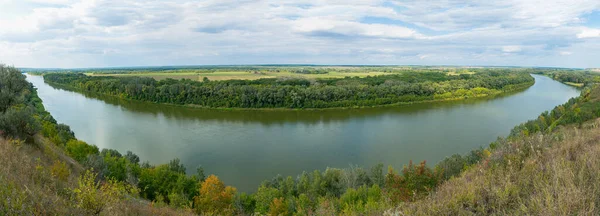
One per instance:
(244, 148)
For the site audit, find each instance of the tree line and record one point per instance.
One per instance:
(299, 93)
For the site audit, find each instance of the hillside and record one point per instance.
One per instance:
(549, 172)
(39, 175)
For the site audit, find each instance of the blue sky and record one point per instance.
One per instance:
(109, 33)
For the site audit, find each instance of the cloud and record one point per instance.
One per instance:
(589, 33)
(323, 27)
(86, 33)
(565, 53)
(511, 49)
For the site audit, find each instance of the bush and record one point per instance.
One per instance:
(93, 196)
(18, 122)
(415, 182)
(80, 150)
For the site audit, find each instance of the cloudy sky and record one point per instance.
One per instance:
(98, 33)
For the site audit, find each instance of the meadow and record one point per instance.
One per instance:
(238, 75)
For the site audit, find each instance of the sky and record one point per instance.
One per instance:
(115, 33)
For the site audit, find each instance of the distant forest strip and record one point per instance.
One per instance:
(573, 77)
(397, 88)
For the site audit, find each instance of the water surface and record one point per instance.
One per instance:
(246, 147)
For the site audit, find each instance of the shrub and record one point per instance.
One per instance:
(80, 150)
(59, 170)
(93, 196)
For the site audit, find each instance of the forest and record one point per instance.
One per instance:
(397, 88)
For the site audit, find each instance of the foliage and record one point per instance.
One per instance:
(278, 207)
(455, 164)
(415, 182)
(161, 180)
(214, 197)
(60, 170)
(80, 150)
(264, 197)
(94, 196)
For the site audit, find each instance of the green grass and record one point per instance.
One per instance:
(242, 75)
(574, 84)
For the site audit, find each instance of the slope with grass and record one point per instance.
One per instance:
(40, 173)
(548, 166)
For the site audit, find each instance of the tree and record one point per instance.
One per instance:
(214, 197)
(278, 207)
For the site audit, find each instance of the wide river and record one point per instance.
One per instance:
(246, 147)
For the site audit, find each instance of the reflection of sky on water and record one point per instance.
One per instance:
(246, 147)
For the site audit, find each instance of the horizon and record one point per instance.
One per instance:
(290, 65)
(109, 34)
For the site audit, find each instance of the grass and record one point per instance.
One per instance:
(242, 75)
(574, 84)
(551, 174)
(39, 179)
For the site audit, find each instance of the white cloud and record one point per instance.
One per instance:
(589, 33)
(89, 33)
(423, 56)
(565, 53)
(318, 26)
(511, 49)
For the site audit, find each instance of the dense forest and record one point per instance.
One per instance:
(301, 93)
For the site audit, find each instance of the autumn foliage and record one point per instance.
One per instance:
(415, 181)
(214, 198)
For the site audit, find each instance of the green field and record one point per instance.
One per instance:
(241, 75)
(575, 84)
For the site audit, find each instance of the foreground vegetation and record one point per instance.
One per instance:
(405, 87)
(546, 166)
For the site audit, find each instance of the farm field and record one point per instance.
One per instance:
(240, 75)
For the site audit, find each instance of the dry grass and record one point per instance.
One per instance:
(554, 174)
(38, 179)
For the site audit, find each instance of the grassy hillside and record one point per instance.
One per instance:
(37, 178)
(39, 170)
(551, 170)
(542, 174)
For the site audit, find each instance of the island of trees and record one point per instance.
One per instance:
(282, 92)
(547, 166)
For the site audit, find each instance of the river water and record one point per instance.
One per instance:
(246, 147)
